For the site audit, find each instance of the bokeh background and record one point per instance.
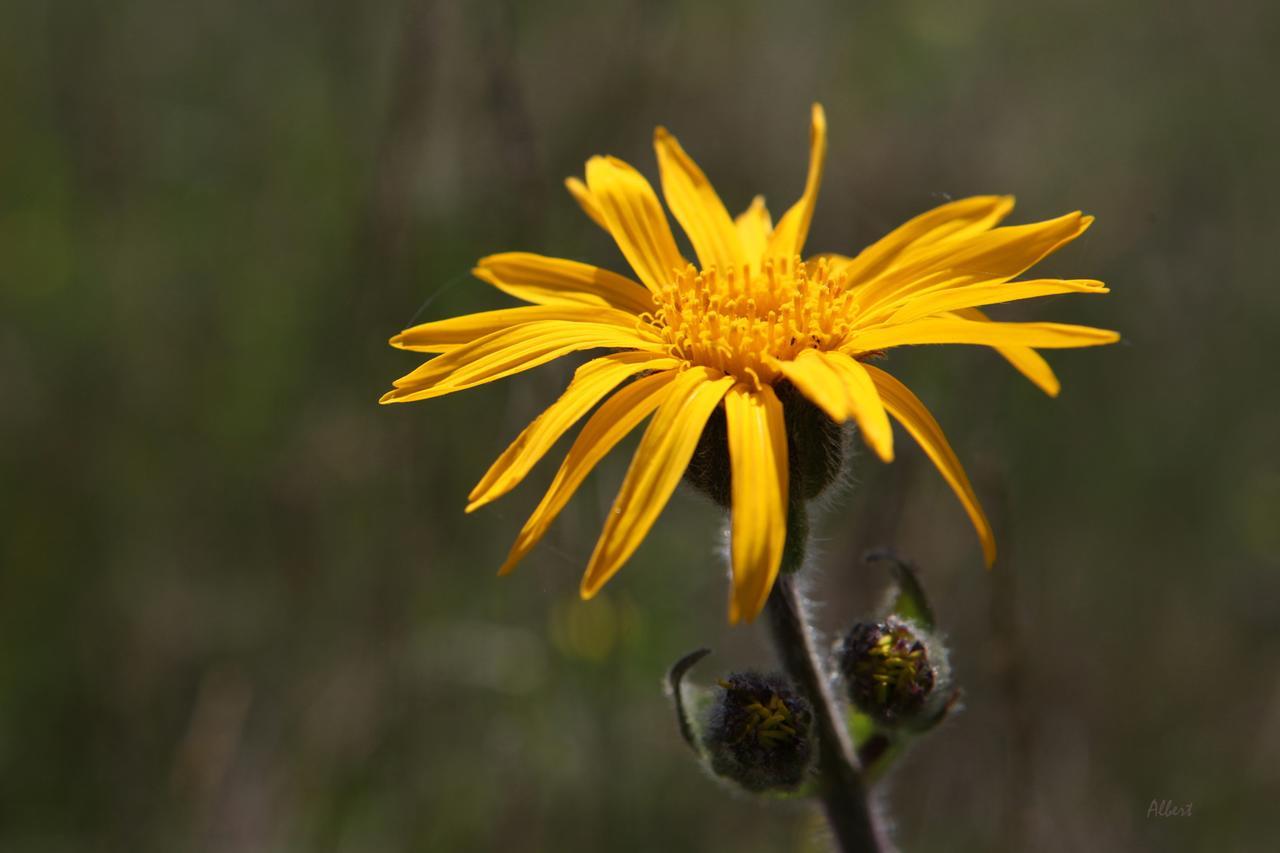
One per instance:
(240, 606)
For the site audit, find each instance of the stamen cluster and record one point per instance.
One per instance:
(737, 320)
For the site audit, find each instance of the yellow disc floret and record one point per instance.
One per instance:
(741, 320)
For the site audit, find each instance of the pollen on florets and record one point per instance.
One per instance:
(739, 320)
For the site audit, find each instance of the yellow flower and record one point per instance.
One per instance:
(751, 314)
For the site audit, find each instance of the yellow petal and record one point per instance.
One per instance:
(591, 383)
(696, 206)
(912, 414)
(583, 197)
(444, 335)
(509, 351)
(754, 227)
(787, 240)
(620, 414)
(758, 460)
(963, 217)
(656, 469)
(818, 382)
(989, 258)
(862, 401)
(1001, 253)
(635, 219)
(952, 330)
(975, 295)
(839, 385)
(1025, 360)
(556, 281)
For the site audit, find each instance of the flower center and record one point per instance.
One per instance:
(740, 320)
(770, 724)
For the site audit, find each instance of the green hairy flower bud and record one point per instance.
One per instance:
(893, 671)
(759, 732)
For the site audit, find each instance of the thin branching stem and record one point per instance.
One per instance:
(842, 789)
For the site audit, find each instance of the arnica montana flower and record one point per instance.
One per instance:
(749, 316)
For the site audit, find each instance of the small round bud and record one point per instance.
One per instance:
(889, 670)
(759, 732)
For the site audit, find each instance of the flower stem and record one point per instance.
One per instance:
(841, 786)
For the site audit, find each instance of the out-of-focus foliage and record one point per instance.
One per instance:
(240, 606)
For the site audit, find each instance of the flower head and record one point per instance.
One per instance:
(689, 339)
(889, 671)
(758, 732)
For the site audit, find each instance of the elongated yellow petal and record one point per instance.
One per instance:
(656, 469)
(758, 460)
(950, 330)
(620, 414)
(754, 227)
(991, 257)
(787, 240)
(912, 414)
(818, 382)
(838, 384)
(583, 197)
(696, 206)
(863, 402)
(1001, 253)
(1025, 360)
(509, 351)
(961, 218)
(973, 296)
(591, 383)
(635, 219)
(556, 281)
(444, 335)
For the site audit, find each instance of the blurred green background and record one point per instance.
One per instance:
(240, 606)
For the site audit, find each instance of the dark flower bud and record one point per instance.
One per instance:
(815, 450)
(759, 732)
(893, 671)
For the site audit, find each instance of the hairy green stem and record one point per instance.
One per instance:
(842, 788)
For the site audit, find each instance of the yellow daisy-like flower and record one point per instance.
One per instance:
(749, 316)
